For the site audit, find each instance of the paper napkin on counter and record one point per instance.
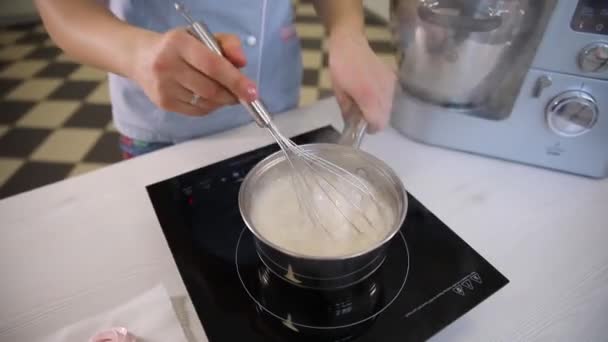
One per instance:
(149, 318)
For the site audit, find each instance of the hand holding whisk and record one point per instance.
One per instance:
(329, 194)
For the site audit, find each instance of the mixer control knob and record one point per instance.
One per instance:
(572, 113)
(594, 58)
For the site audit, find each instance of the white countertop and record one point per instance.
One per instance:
(84, 245)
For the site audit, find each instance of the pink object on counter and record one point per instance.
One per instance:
(118, 334)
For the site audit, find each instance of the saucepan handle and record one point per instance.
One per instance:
(355, 127)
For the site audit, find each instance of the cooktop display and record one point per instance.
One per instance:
(429, 278)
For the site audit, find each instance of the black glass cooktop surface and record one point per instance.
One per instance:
(430, 276)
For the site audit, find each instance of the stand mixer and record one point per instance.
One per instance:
(520, 80)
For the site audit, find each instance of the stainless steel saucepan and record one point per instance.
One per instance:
(327, 272)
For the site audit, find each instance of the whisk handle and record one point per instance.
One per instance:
(355, 127)
(200, 30)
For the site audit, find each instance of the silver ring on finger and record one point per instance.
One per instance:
(194, 100)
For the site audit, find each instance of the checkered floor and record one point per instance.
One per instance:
(55, 117)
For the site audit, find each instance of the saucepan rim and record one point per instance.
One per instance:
(275, 158)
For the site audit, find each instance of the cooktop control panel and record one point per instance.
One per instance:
(591, 16)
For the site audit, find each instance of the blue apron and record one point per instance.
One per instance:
(270, 43)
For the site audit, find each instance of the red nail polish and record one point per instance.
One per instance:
(252, 92)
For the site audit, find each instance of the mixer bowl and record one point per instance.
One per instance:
(454, 53)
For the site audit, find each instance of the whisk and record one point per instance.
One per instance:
(312, 175)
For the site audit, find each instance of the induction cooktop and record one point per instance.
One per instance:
(429, 279)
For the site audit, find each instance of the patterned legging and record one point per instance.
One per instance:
(132, 148)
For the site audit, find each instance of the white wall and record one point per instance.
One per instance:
(380, 7)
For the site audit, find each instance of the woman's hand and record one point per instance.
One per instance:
(359, 77)
(174, 67)
(170, 67)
